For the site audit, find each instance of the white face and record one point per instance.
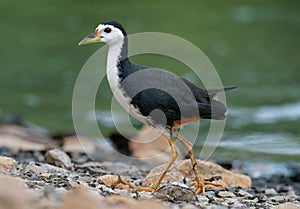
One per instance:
(109, 34)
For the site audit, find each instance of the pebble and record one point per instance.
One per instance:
(188, 206)
(8, 163)
(245, 194)
(58, 158)
(213, 206)
(108, 180)
(210, 194)
(280, 199)
(270, 191)
(225, 194)
(175, 193)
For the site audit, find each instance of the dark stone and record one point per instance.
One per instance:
(175, 193)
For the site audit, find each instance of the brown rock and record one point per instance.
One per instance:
(8, 163)
(113, 181)
(81, 198)
(287, 206)
(207, 170)
(79, 144)
(44, 169)
(119, 202)
(108, 180)
(148, 145)
(58, 158)
(21, 138)
(12, 193)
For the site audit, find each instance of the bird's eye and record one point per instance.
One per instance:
(107, 30)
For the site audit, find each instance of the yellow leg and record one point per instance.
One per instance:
(200, 182)
(173, 156)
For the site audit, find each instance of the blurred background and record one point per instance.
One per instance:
(253, 45)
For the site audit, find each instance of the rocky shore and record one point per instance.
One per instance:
(42, 171)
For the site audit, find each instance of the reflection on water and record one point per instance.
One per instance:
(266, 114)
(264, 143)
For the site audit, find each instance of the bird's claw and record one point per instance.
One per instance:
(203, 184)
(140, 189)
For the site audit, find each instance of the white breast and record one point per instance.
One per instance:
(114, 81)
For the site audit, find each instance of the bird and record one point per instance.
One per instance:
(156, 97)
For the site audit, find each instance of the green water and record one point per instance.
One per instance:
(253, 45)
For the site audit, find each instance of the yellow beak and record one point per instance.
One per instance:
(92, 38)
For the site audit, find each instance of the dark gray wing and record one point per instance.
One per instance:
(155, 89)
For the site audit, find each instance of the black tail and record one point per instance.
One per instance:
(214, 92)
(215, 109)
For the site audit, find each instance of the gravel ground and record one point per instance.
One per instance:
(62, 176)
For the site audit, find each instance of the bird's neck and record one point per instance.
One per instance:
(116, 60)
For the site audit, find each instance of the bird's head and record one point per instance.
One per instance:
(108, 32)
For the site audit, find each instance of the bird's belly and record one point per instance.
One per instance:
(125, 102)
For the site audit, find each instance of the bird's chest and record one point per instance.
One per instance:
(121, 95)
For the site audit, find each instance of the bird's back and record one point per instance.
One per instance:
(165, 98)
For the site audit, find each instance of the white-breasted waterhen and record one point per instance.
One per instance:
(156, 97)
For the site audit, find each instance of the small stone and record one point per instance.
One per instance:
(213, 206)
(175, 193)
(270, 191)
(243, 193)
(210, 194)
(225, 194)
(280, 199)
(230, 201)
(110, 180)
(58, 158)
(189, 206)
(261, 198)
(8, 163)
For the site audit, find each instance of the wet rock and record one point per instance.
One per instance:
(58, 158)
(225, 194)
(8, 163)
(175, 193)
(206, 169)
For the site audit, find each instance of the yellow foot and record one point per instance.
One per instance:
(201, 185)
(140, 189)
